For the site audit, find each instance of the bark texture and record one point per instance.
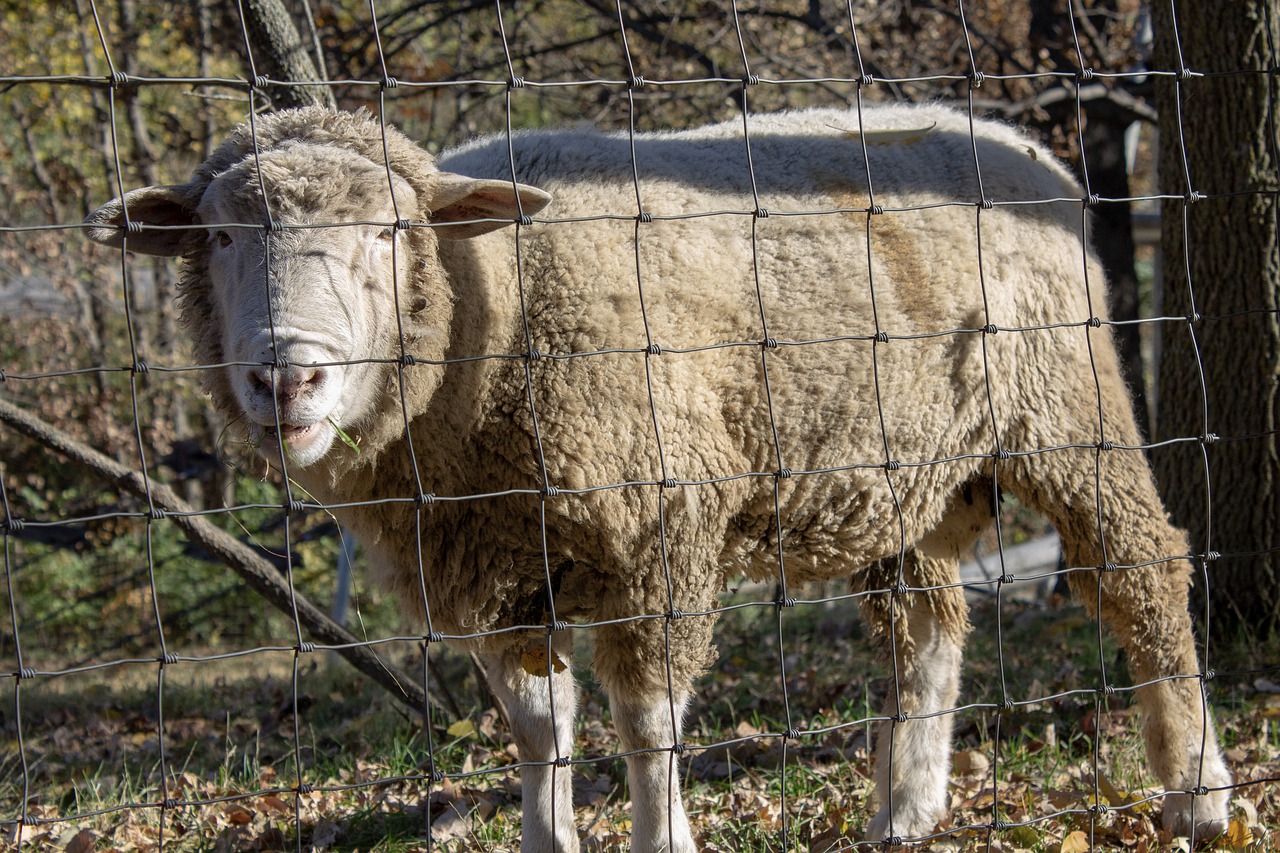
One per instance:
(280, 54)
(1220, 373)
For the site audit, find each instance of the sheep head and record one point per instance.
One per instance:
(307, 315)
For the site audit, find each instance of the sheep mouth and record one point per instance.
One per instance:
(294, 435)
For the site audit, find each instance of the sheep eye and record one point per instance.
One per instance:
(223, 238)
(388, 234)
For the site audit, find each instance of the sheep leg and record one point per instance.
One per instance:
(913, 753)
(540, 711)
(1145, 604)
(647, 668)
(648, 728)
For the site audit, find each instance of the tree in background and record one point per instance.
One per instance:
(1220, 375)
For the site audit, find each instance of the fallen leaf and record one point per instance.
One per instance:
(83, 842)
(238, 815)
(534, 661)
(1238, 834)
(462, 728)
(324, 835)
(1076, 842)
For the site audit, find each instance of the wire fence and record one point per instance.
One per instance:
(893, 593)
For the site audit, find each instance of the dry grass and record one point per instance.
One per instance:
(91, 744)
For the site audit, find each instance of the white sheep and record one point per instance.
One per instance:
(610, 411)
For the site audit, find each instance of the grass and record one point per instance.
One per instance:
(231, 762)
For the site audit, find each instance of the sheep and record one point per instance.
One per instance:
(819, 359)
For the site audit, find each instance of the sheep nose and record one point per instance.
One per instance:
(288, 383)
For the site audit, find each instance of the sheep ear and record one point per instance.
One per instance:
(462, 200)
(148, 206)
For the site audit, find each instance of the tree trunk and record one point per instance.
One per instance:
(1220, 373)
(279, 53)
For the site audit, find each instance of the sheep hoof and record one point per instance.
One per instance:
(1209, 819)
(910, 822)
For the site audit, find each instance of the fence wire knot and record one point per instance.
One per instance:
(294, 506)
(559, 625)
(132, 227)
(1201, 791)
(14, 525)
(876, 210)
(975, 80)
(3, 377)
(1099, 810)
(1185, 74)
(1002, 454)
(1209, 438)
(116, 79)
(675, 614)
(892, 841)
(653, 349)
(1007, 704)
(769, 343)
(1006, 579)
(424, 499)
(751, 80)
(1208, 675)
(407, 360)
(792, 733)
(882, 337)
(261, 81)
(680, 748)
(389, 82)
(169, 803)
(304, 788)
(1106, 690)
(562, 761)
(140, 367)
(403, 224)
(990, 329)
(998, 826)
(306, 648)
(1093, 200)
(761, 213)
(1212, 556)
(892, 465)
(900, 588)
(534, 355)
(1109, 567)
(168, 659)
(26, 673)
(435, 637)
(1194, 196)
(784, 473)
(280, 363)
(635, 83)
(515, 83)
(786, 601)
(157, 514)
(275, 226)
(549, 492)
(866, 80)
(668, 483)
(31, 820)
(1095, 322)
(436, 776)
(1106, 445)
(525, 220)
(644, 217)
(1085, 75)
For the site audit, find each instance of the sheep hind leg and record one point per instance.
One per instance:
(1144, 603)
(913, 754)
(540, 710)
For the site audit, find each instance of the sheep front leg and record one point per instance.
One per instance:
(645, 729)
(647, 668)
(913, 752)
(540, 711)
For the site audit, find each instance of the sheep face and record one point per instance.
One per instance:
(308, 315)
(309, 312)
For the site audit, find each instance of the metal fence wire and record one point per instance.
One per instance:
(169, 802)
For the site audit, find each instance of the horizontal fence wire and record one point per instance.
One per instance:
(667, 492)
